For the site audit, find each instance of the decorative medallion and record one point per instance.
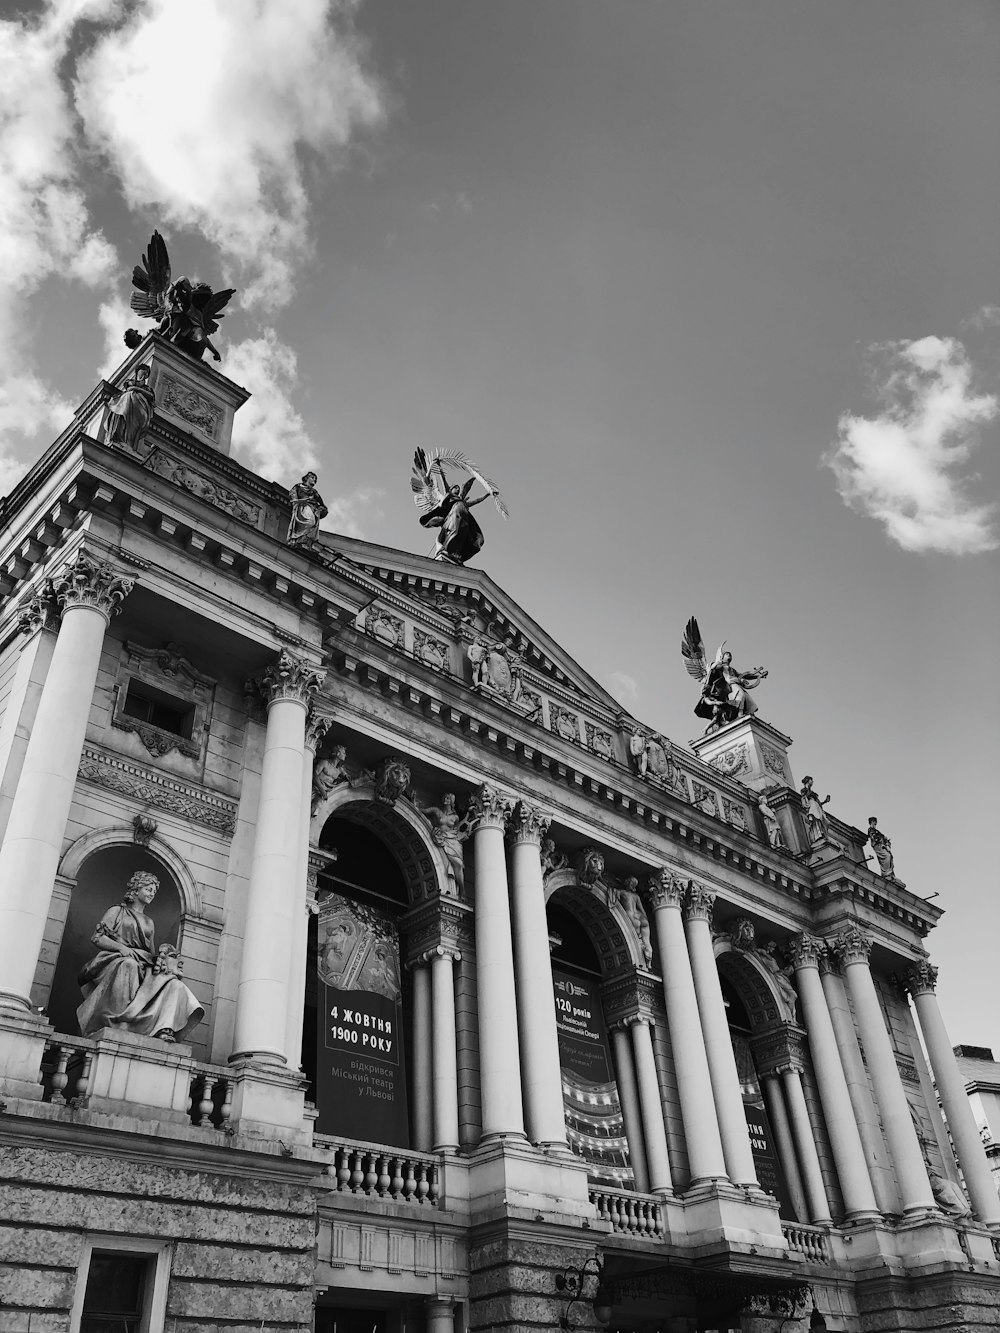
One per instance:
(732, 761)
(190, 406)
(599, 741)
(774, 761)
(705, 799)
(433, 652)
(388, 629)
(564, 723)
(734, 814)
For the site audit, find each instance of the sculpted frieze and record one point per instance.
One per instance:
(190, 406)
(732, 761)
(152, 789)
(204, 487)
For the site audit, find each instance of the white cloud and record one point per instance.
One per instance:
(45, 230)
(268, 430)
(209, 110)
(624, 687)
(114, 316)
(901, 467)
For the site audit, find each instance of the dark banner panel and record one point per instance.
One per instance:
(360, 1069)
(594, 1126)
(762, 1144)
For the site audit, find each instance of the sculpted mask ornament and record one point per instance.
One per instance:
(724, 690)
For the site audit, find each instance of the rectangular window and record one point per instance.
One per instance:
(121, 1286)
(147, 704)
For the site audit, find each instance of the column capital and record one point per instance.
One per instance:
(289, 677)
(665, 889)
(852, 945)
(443, 951)
(40, 611)
(805, 950)
(829, 963)
(91, 582)
(490, 807)
(700, 902)
(528, 824)
(317, 725)
(920, 978)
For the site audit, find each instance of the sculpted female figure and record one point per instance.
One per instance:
(126, 983)
(450, 830)
(131, 412)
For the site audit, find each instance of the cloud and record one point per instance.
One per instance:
(210, 111)
(624, 687)
(902, 466)
(268, 431)
(45, 229)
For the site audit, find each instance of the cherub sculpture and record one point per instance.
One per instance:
(724, 696)
(447, 507)
(188, 311)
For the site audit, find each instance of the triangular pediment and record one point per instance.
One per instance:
(475, 607)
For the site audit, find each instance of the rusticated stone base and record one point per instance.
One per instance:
(243, 1239)
(512, 1284)
(940, 1303)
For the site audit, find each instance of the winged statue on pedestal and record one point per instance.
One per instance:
(724, 690)
(188, 311)
(447, 507)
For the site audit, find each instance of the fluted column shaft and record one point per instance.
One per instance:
(628, 1095)
(694, 1083)
(805, 1143)
(876, 1155)
(921, 980)
(500, 1072)
(654, 1132)
(443, 1040)
(423, 1062)
(88, 593)
(262, 997)
(777, 1113)
(718, 1043)
(544, 1116)
(911, 1174)
(848, 1152)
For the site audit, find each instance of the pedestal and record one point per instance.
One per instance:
(752, 751)
(133, 1075)
(269, 1103)
(23, 1036)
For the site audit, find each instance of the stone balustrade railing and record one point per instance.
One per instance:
(211, 1097)
(382, 1172)
(811, 1242)
(630, 1214)
(65, 1071)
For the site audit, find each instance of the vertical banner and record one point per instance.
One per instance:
(594, 1125)
(360, 1070)
(762, 1145)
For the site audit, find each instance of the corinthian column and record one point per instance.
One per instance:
(316, 729)
(544, 1118)
(628, 1095)
(443, 1042)
(718, 1043)
(694, 1082)
(915, 1193)
(89, 593)
(848, 1152)
(654, 1132)
(262, 998)
(920, 981)
(500, 1072)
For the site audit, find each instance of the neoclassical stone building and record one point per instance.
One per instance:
(507, 1014)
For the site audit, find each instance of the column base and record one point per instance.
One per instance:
(269, 1102)
(133, 1074)
(730, 1218)
(511, 1178)
(23, 1037)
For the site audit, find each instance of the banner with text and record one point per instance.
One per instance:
(594, 1125)
(360, 1069)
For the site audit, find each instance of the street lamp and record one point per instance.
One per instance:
(570, 1284)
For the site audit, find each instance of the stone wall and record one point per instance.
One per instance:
(242, 1241)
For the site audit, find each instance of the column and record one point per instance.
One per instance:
(89, 593)
(718, 1043)
(879, 1167)
(848, 1152)
(628, 1095)
(262, 997)
(654, 1132)
(500, 1071)
(423, 1131)
(544, 1117)
(805, 1144)
(694, 1083)
(440, 1318)
(853, 948)
(443, 1042)
(774, 1100)
(920, 980)
(316, 728)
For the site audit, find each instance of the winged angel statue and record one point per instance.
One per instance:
(724, 696)
(188, 311)
(447, 507)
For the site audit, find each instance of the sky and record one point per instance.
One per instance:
(710, 288)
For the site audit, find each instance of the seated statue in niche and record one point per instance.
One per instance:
(130, 984)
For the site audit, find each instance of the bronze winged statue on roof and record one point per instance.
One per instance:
(188, 311)
(724, 696)
(447, 507)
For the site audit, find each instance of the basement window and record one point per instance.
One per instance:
(145, 703)
(121, 1286)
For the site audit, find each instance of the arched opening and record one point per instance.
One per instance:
(358, 1011)
(100, 884)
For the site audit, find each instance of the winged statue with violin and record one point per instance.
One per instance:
(724, 691)
(188, 312)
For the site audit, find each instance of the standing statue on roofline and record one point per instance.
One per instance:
(188, 311)
(447, 507)
(724, 696)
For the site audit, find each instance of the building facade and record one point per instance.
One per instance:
(496, 1011)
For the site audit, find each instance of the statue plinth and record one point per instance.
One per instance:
(191, 395)
(752, 751)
